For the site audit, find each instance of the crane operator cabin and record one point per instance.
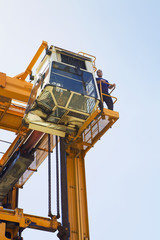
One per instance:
(64, 94)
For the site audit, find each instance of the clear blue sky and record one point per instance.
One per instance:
(123, 169)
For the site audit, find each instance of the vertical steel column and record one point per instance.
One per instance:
(11, 200)
(3, 231)
(77, 198)
(73, 194)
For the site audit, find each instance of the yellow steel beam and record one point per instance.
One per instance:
(11, 199)
(77, 198)
(12, 87)
(82, 196)
(28, 70)
(11, 118)
(28, 221)
(3, 231)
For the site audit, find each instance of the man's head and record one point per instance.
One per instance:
(99, 73)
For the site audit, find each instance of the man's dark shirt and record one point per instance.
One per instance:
(104, 85)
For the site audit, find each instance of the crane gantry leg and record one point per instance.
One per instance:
(76, 206)
(78, 213)
(3, 231)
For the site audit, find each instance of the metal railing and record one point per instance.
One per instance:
(104, 94)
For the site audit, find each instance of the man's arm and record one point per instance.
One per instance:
(112, 86)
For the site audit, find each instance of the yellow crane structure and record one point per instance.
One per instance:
(60, 110)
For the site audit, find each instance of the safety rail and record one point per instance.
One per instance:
(104, 94)
(87, 54)
(98, 127)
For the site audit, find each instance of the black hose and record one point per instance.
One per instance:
(49, 176)
(57, 175)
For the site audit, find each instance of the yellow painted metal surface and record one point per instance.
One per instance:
(26, 220)
(14, 88)
(28, 70)
(78, 213)
(3, 231)
(98, 128)
(11, 117)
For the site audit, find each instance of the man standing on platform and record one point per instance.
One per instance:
(105, 85)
